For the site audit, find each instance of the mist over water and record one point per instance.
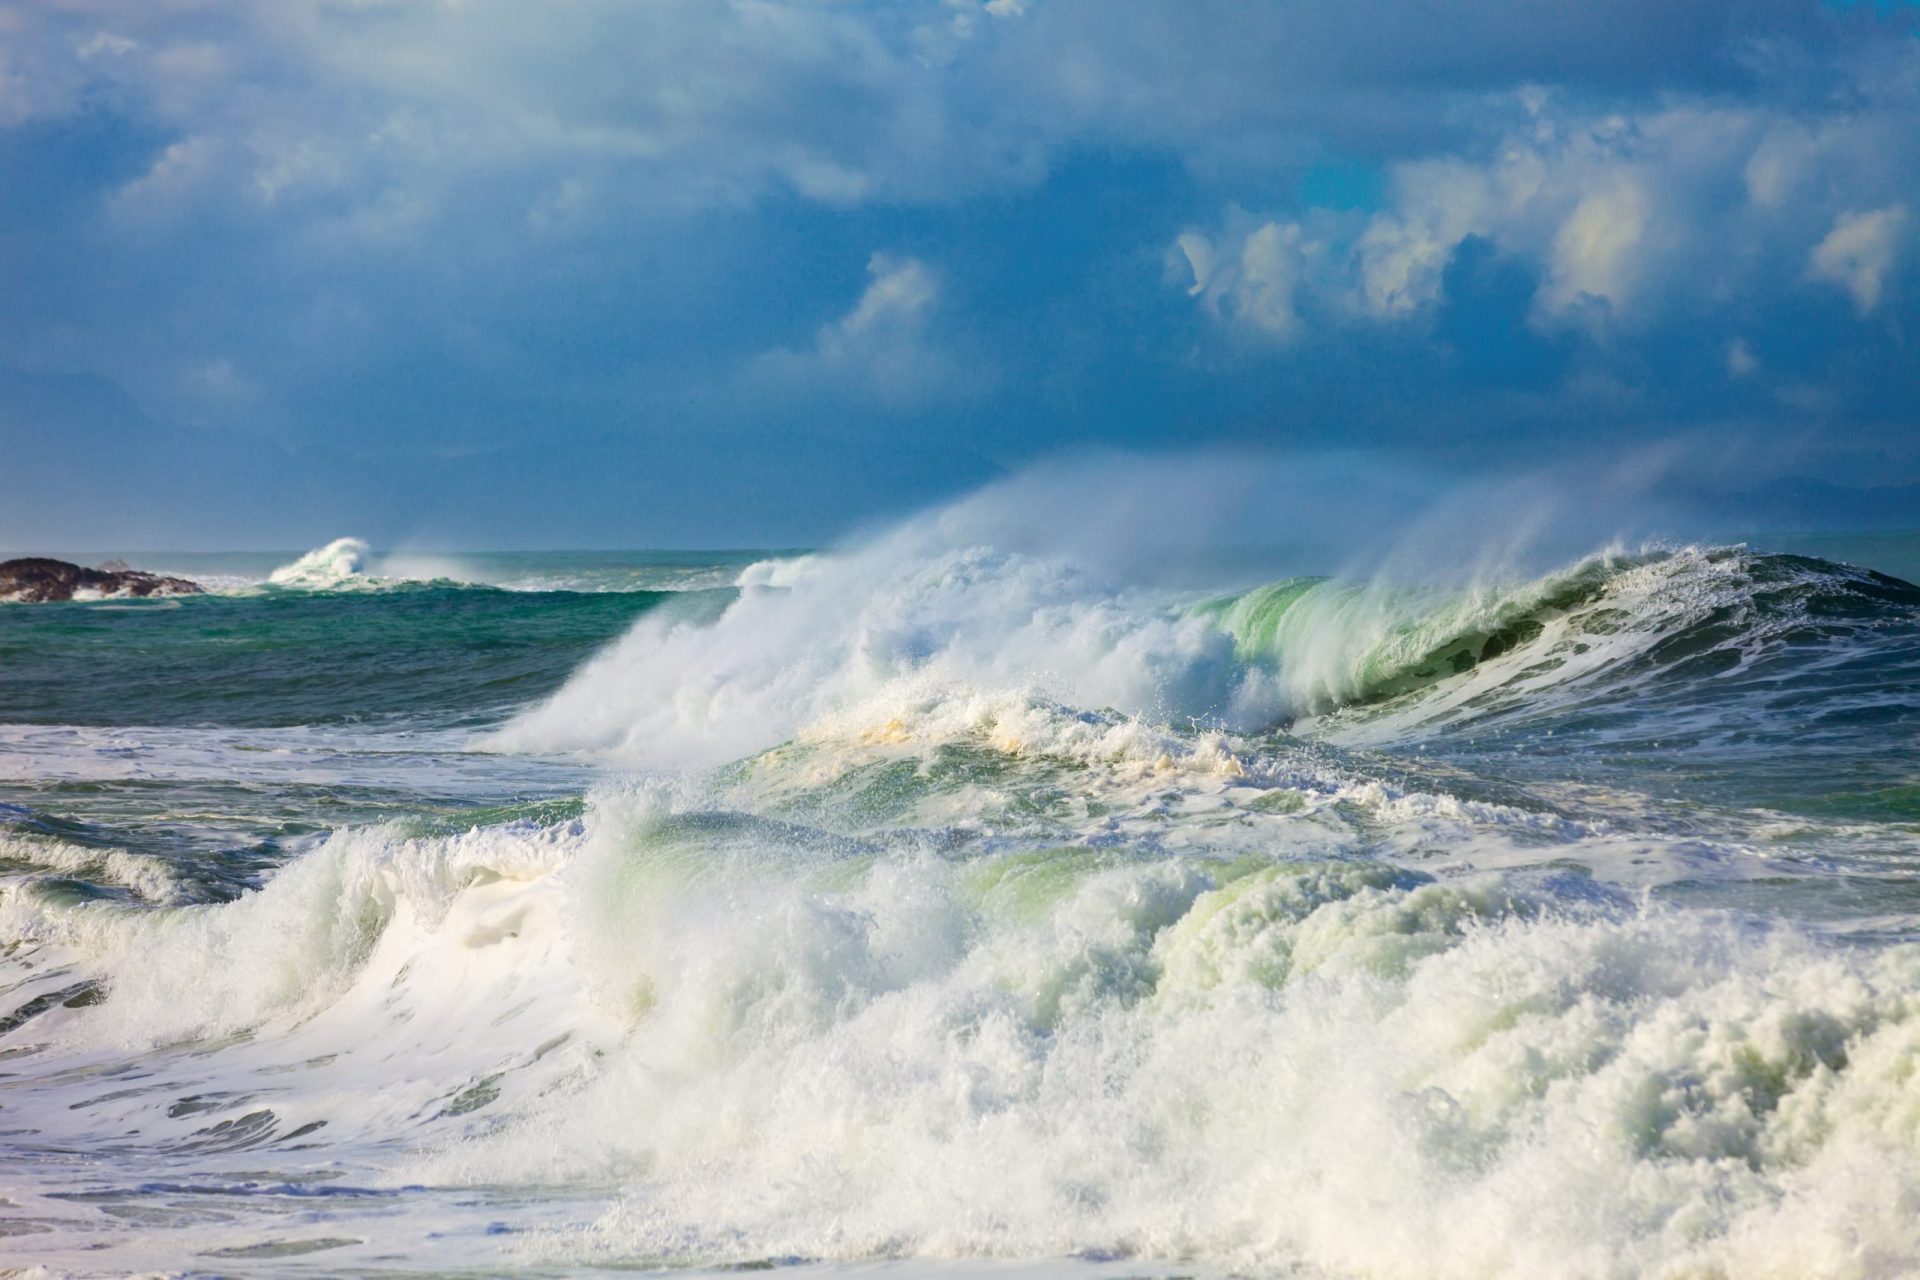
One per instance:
(1225, 865)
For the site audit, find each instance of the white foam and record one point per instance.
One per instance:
(324, 567)
(905, 611)
(778, 1044)
(283, 952)
(1338, 1067)
(922, 614)
(149, 877)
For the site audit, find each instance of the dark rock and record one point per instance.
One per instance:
(37, 581)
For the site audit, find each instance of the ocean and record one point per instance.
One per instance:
(952, 903)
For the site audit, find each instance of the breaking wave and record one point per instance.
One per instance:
(324, 568)
(826, 636)
(777, 1043)
(953, 896)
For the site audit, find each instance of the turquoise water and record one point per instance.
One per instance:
(421, 654)
(938, 902)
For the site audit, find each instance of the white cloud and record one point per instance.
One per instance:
(181, 171)
(1859, 252)
(880, 349)
(1584, 199)
(1596, 250)
(104, 44)
(1250, 276)
(1572, 198)
(896, 301)
(1623, 220)
(218, 387)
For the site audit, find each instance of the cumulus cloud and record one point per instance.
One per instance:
(1250, 275)
(1596, 250)
(897, 299)
(1622, 219)
(1859, 252)
(880, 349)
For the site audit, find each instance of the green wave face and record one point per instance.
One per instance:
(1337, 645)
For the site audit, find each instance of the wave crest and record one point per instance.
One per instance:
(324, 568)
(886, 631)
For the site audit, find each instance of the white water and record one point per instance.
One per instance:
(1004, 930)
(327, 566)
(773, 1048)
(829, 633)
(923, 613)
(352, 564)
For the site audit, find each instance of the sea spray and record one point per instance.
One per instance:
(324, 567)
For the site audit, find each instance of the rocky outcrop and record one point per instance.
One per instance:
(37, 581)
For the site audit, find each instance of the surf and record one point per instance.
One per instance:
(1256, 1063)
(978, 891)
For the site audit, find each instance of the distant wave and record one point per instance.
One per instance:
(346, 564)
(349, 564)
(324, 567)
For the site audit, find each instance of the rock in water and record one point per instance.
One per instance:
(37, 581)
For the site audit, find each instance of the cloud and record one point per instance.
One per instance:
(675, 104)
(1625, 220)
(704, 103)
(880, 350)
(1250, 275)
(896, 301)
(1595, 253)
(1859, 253)
(470, 225)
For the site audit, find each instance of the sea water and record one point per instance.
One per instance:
(952, 904)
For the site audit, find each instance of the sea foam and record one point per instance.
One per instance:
(779, 1044)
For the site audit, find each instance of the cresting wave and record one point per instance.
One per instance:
(952, 897)
(147, 879)
(1390, 660)
(327, 566)
(351, 565)
(1357, 661)
(348, 564)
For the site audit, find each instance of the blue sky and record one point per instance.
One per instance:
(488, 272)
